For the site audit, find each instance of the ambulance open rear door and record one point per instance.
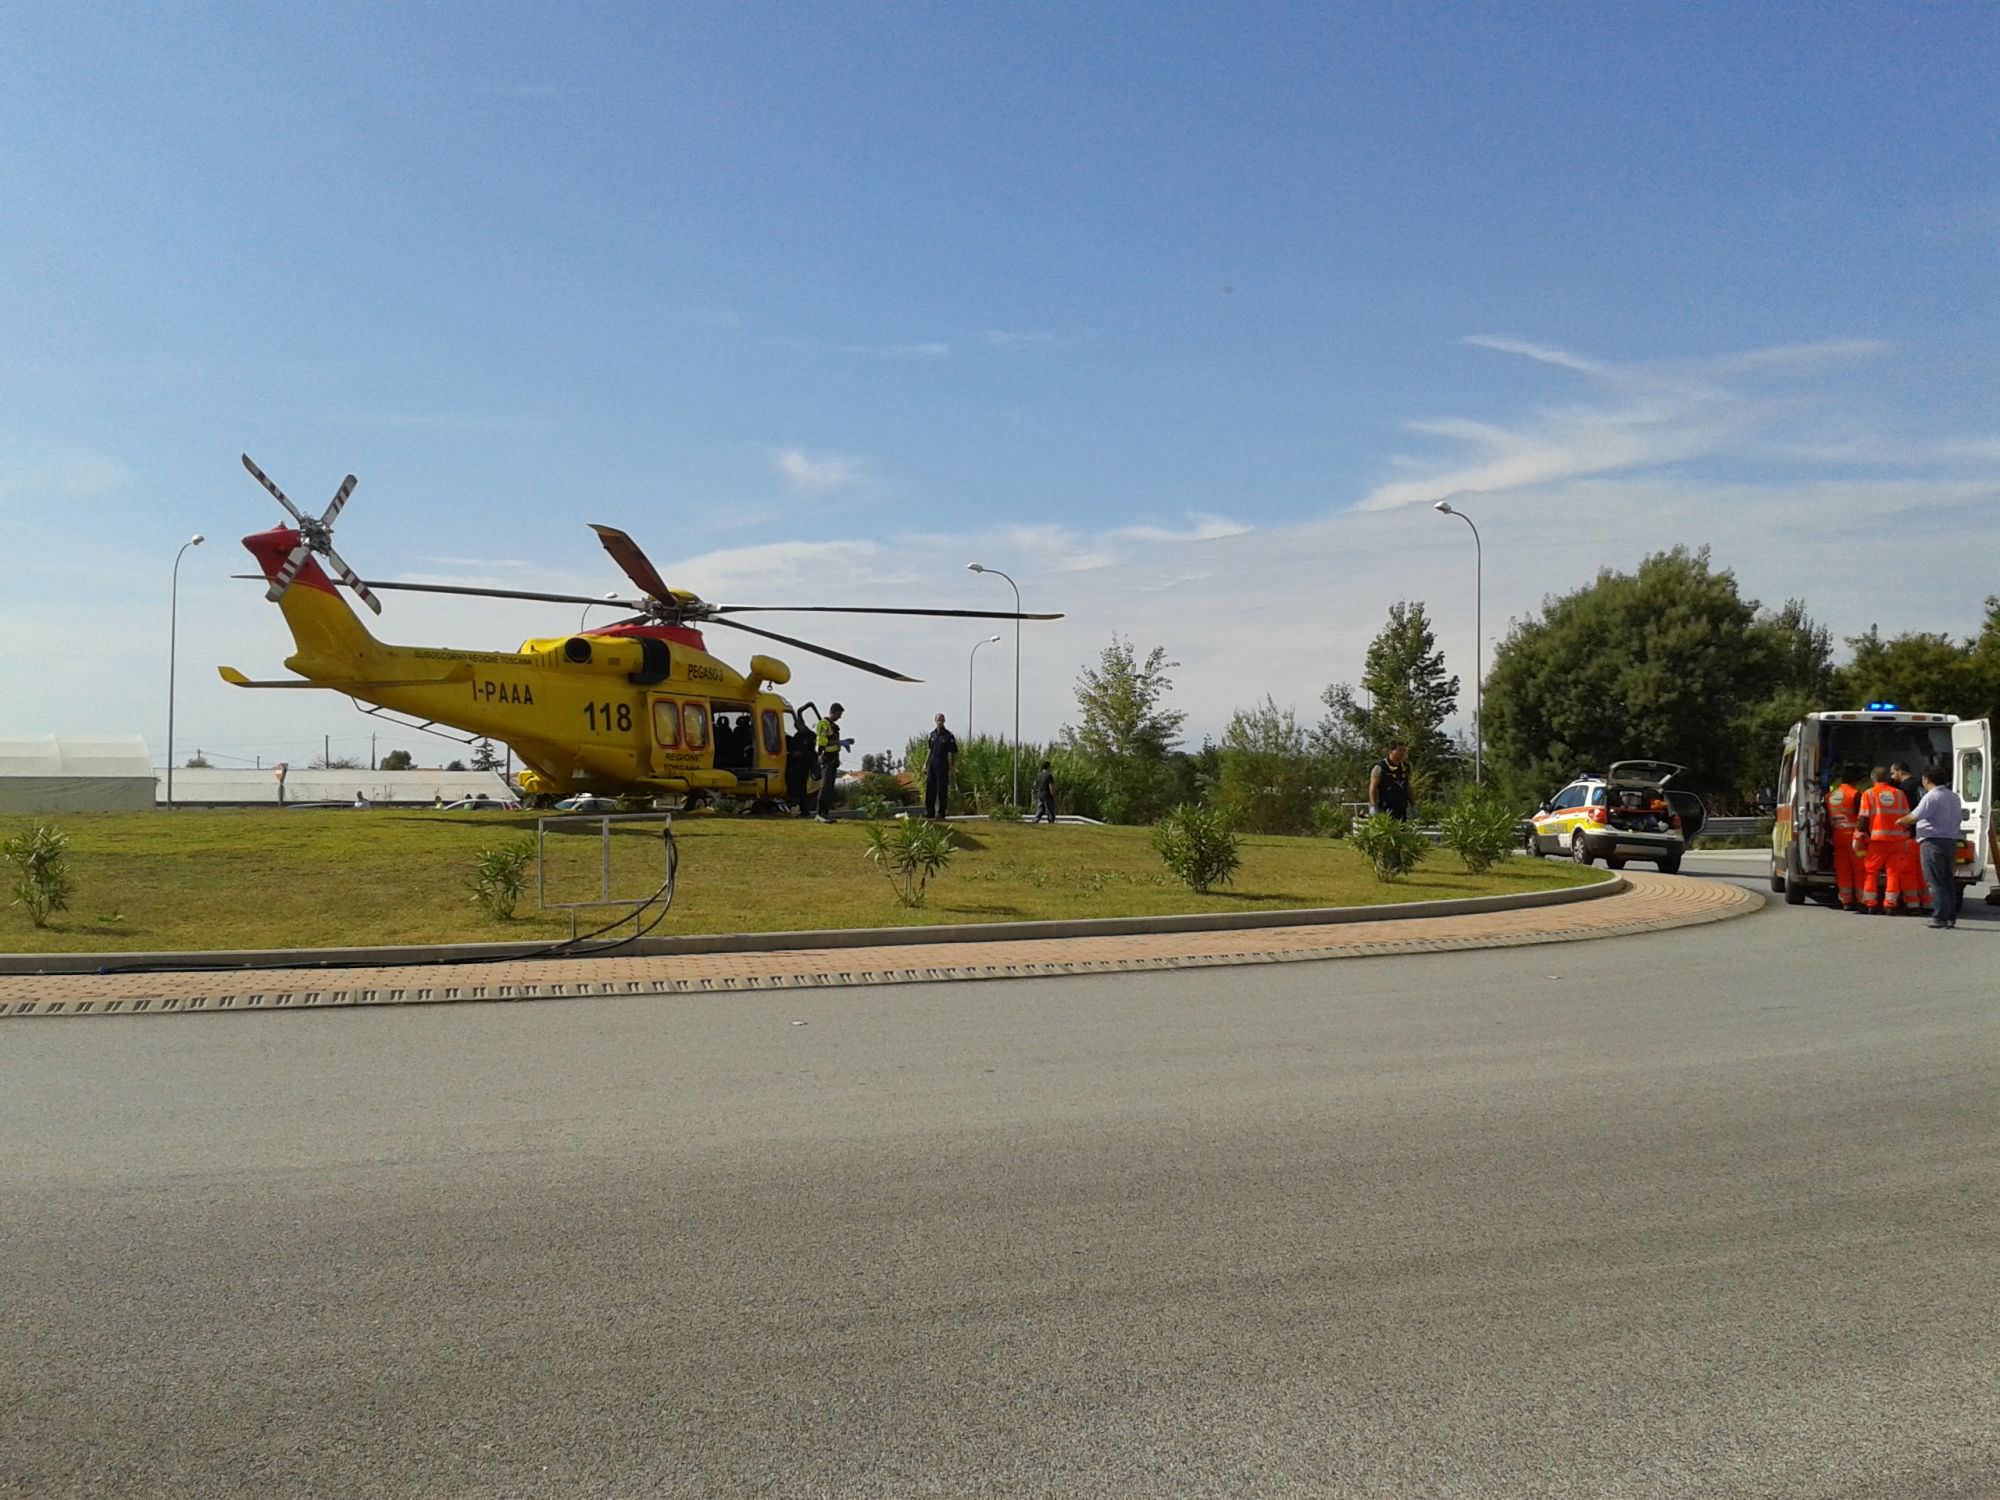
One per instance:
(1972, 776)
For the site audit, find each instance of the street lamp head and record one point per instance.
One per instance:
(974, 568)
(1443, 508)
(196, 540)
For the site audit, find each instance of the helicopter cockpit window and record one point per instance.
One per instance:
(694, 725)
(666, 723)
(774, 738)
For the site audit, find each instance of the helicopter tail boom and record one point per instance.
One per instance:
(331, 639)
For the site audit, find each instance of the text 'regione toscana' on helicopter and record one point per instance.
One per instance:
(637, 707)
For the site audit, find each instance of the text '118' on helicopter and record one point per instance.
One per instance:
(635, 708)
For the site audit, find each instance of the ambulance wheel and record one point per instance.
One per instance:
(1613, 862)
(1671, 865)
(1534, 845)
(1795, 880)
(1577, 850)
(1777, 881)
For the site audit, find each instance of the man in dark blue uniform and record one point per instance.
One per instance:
(943, 749)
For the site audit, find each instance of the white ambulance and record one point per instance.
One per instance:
(1821, 743)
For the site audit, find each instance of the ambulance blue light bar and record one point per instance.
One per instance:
(1882, 708)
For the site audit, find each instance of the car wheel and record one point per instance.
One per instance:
(1669, 864)
(1534, 845)
(1614, 861)
(1577, 850)
(1777, 880)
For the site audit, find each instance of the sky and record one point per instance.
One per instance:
(1181, 315)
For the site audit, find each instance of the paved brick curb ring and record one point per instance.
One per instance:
(1653, 903)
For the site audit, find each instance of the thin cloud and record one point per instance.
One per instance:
(1546, 354)
(1645, 416)
(1202, 528)
(810, 475)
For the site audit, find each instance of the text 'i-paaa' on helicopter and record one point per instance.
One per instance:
(638, 707)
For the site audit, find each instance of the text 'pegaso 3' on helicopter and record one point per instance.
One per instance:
(638, 707)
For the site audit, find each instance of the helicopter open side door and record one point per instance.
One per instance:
(1972, 776)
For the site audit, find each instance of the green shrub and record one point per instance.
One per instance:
(910, 851)
(1391, 845)
(1480, 827)
(498, 874)
(43, 882)
(1331, 821)
(1198, 846)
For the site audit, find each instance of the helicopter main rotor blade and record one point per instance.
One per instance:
(276, 494)
(840, 656)
(637, 566)
(865, 609)
(453, 588)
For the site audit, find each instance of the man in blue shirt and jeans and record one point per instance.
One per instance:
(1937, 820)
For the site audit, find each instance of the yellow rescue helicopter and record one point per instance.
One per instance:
(638, 707)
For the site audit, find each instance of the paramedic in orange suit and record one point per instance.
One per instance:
(1843, 803)
(1915, 893)
(1882, 840)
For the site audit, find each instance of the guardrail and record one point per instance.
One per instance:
(1723, 828)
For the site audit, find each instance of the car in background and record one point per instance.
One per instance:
(1625, 814)
(481, 803)
(586, 802)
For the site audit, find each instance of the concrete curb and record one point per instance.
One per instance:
(1661, 905)
(779, 942)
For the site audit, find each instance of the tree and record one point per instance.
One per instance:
(1269, 777)
(196, 762)
(398, 760)
(335, 763)
(1666, 663)
(485, 757)
(1408, 698)
(1127, 732)
(1799, 654)
(1919, 670)
(456, 765)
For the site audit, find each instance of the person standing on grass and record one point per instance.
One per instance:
(940, 752)
(827, 741)
(799, 755)
(1938, 819)
(1045, 794)
(1389, 783)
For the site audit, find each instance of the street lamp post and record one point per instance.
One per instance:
(173, 629)
(970, 659)
(608, 599)
(979, 568)
(1443, 507)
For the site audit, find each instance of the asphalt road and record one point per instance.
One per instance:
(1708, 1213)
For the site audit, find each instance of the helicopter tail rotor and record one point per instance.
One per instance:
(315, 536)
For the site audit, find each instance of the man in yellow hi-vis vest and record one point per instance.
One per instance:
(827, 741)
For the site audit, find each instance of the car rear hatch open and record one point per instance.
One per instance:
(1636, 788)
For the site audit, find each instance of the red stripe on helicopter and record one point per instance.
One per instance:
(272, 547)
(680, 635)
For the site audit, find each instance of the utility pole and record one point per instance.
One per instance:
(326, 750)
(371, 752)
